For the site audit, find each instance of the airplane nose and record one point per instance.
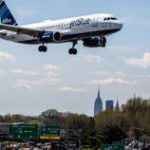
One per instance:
(120, 26)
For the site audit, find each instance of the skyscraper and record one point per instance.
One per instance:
(109, 105)
(98, 107)
(117, 108)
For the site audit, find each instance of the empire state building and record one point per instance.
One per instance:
(98, 106)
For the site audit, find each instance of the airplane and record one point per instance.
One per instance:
(91, 29)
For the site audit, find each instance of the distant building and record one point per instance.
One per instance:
(109, 105)
(117, 108)
(98, 106)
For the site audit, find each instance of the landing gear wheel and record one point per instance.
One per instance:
(103, 41)
(75, 51)
(72, 51)
(42, 48)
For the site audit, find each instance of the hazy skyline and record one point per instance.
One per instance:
(32, 82)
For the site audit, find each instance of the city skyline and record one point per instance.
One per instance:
(32, 82)
(101, 105)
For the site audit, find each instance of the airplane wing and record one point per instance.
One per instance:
(28, 31)
(22, 30)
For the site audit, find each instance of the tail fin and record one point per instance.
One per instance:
(5, 14)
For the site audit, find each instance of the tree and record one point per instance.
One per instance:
(8, 118)
(111, 133)
(50, 113)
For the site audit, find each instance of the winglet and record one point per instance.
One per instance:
(5, 14)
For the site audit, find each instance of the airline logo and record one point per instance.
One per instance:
(7, 21)
(80, 21)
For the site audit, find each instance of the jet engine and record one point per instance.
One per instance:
(95, 42)
(47, 36)
(57, 36)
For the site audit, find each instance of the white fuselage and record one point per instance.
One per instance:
(77, 28)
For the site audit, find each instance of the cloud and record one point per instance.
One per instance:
(50, 77)
(30, 84)
(6, 57)
(87, 58)
(113, 80)
(140, 62)
(50, 67)
(101, 73)
(94, 59)
(73, 89)
(51, 73)
(107, 73)
(51, 81)
(24, 84)
(24, 72)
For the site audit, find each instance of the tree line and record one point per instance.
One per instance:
(132, 120)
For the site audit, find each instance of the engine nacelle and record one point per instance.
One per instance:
(56, 36)
(92, 42)
(47, 36)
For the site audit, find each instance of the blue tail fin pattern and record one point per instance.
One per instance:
(5, 15)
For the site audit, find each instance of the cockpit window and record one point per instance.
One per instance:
(110, 18)
(106, 19)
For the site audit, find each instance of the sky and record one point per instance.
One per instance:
(31, 82)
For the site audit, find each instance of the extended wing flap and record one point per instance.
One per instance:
(22, 30)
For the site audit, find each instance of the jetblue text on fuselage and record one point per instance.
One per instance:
(80, 21)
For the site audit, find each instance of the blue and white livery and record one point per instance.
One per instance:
(91, 29)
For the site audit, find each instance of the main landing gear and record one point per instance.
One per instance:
(73, 51)
(42, 48)
(103, 41)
